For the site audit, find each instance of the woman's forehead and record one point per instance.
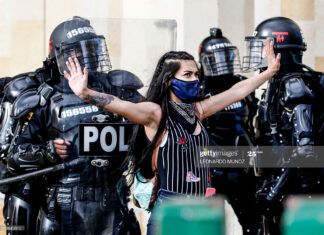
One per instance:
(188, 65)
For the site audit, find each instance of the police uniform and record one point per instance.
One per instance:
(82, 198)
(289, 118)
(230, 127)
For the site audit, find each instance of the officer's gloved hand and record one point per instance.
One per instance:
(261, 195)
(271, 194)
(280, 187)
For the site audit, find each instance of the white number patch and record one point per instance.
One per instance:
(82, 30)
(78, 111)
(219, 45)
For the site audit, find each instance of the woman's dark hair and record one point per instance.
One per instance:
(141, 148)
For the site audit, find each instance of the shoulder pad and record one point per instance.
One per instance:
(20, 84)
(124, 79)
(31, 99)
(24, 103)
(4, 81)
(296, 91)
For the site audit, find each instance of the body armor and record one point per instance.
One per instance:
(88, 185)
(290, 115)
(230, 127)
(67, 112)
(20, 206)
(233, 127)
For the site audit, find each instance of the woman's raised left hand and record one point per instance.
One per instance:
(78, 80)
(273, 60)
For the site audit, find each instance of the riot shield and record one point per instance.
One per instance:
(134, 45)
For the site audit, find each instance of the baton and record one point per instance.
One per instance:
(44, 171)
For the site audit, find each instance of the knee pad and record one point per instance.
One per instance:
(46, 226)
(21, 216)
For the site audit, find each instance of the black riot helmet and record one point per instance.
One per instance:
(218, 56)
(76, 38)
(288, 41)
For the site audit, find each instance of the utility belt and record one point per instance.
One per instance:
(66, 195)
(61, 198)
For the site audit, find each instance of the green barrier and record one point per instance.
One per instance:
(303, 216)
(191, 217)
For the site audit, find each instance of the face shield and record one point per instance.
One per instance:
(255, 58)
(91, 53)
(220, 62)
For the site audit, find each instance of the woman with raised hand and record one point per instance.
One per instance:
(170, 120)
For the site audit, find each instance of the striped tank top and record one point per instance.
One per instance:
(178, 157)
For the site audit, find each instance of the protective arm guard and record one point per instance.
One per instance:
(13, 91)
(6, 128)
(303, 132)
(303, 125)
(300, 98)
(31, 157)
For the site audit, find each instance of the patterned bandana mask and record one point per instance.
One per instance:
(184, 114)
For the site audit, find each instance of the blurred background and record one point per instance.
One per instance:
(25, 27)
(138, 32)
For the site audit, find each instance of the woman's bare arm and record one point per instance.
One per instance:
(145, 113)
(213, 104)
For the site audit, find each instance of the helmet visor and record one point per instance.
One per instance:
(221, 61)
(91, 53)
(255, 58)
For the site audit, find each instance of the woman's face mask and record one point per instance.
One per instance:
(185, 90)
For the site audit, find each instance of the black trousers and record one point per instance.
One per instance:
(239, 187)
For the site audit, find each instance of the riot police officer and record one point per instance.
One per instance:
(82, 199)
(3, 142)
(20, 204)
(232, 126)
(289, 115)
